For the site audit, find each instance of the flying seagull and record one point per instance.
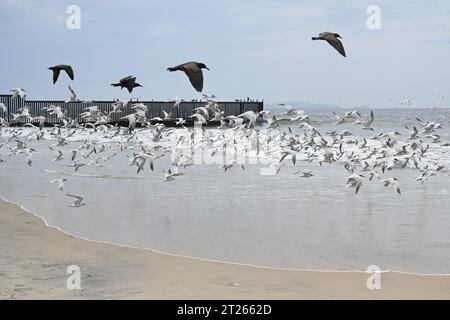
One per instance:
(194, 72)
(72, 96)
(333, 40)
(57, 69)
(77, 201)
(127, 82)
(3, 107)
(60, 183)
(392, 182)
(305, 174)
(366, 123)
(18, 92)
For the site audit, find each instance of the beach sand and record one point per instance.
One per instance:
(34, 259)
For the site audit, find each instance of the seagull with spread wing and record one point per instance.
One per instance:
(333, 40)
(77, 201)
(18, 92)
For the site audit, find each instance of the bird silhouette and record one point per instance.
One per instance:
(333, 40)
(127, 82)
(57, 69)
(194, 72)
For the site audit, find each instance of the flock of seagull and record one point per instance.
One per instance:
(246, 136)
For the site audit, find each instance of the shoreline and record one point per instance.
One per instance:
(35, 258)
(21, 207)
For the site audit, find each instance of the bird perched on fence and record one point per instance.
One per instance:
(194, 72)
(127, 82)
(57, 69)
(333, 40)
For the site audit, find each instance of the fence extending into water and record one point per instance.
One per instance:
(155, 108)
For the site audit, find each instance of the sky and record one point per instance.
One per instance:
(254, 48)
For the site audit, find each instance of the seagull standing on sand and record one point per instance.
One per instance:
(194, 72)
(57, 69)
(333, 40)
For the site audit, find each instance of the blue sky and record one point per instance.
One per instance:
(255, 48)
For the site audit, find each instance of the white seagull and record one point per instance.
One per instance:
(60, 183)
(392, 182)
(3, 107)
(366, 124)
(77, 202)
(18, 92)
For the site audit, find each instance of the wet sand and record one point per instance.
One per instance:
(34, 259)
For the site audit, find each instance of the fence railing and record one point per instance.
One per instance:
(155, 108)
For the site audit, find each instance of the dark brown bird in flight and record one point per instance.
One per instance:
(333, 40)
(127, 82)
(57, 69)
(194, 72)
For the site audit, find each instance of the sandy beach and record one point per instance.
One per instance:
(34, 259)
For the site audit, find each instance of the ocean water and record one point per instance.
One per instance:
(242, 216)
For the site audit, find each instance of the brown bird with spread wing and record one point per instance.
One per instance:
(194, 72)
(333, 40)
(127, 82)
(57, 69)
